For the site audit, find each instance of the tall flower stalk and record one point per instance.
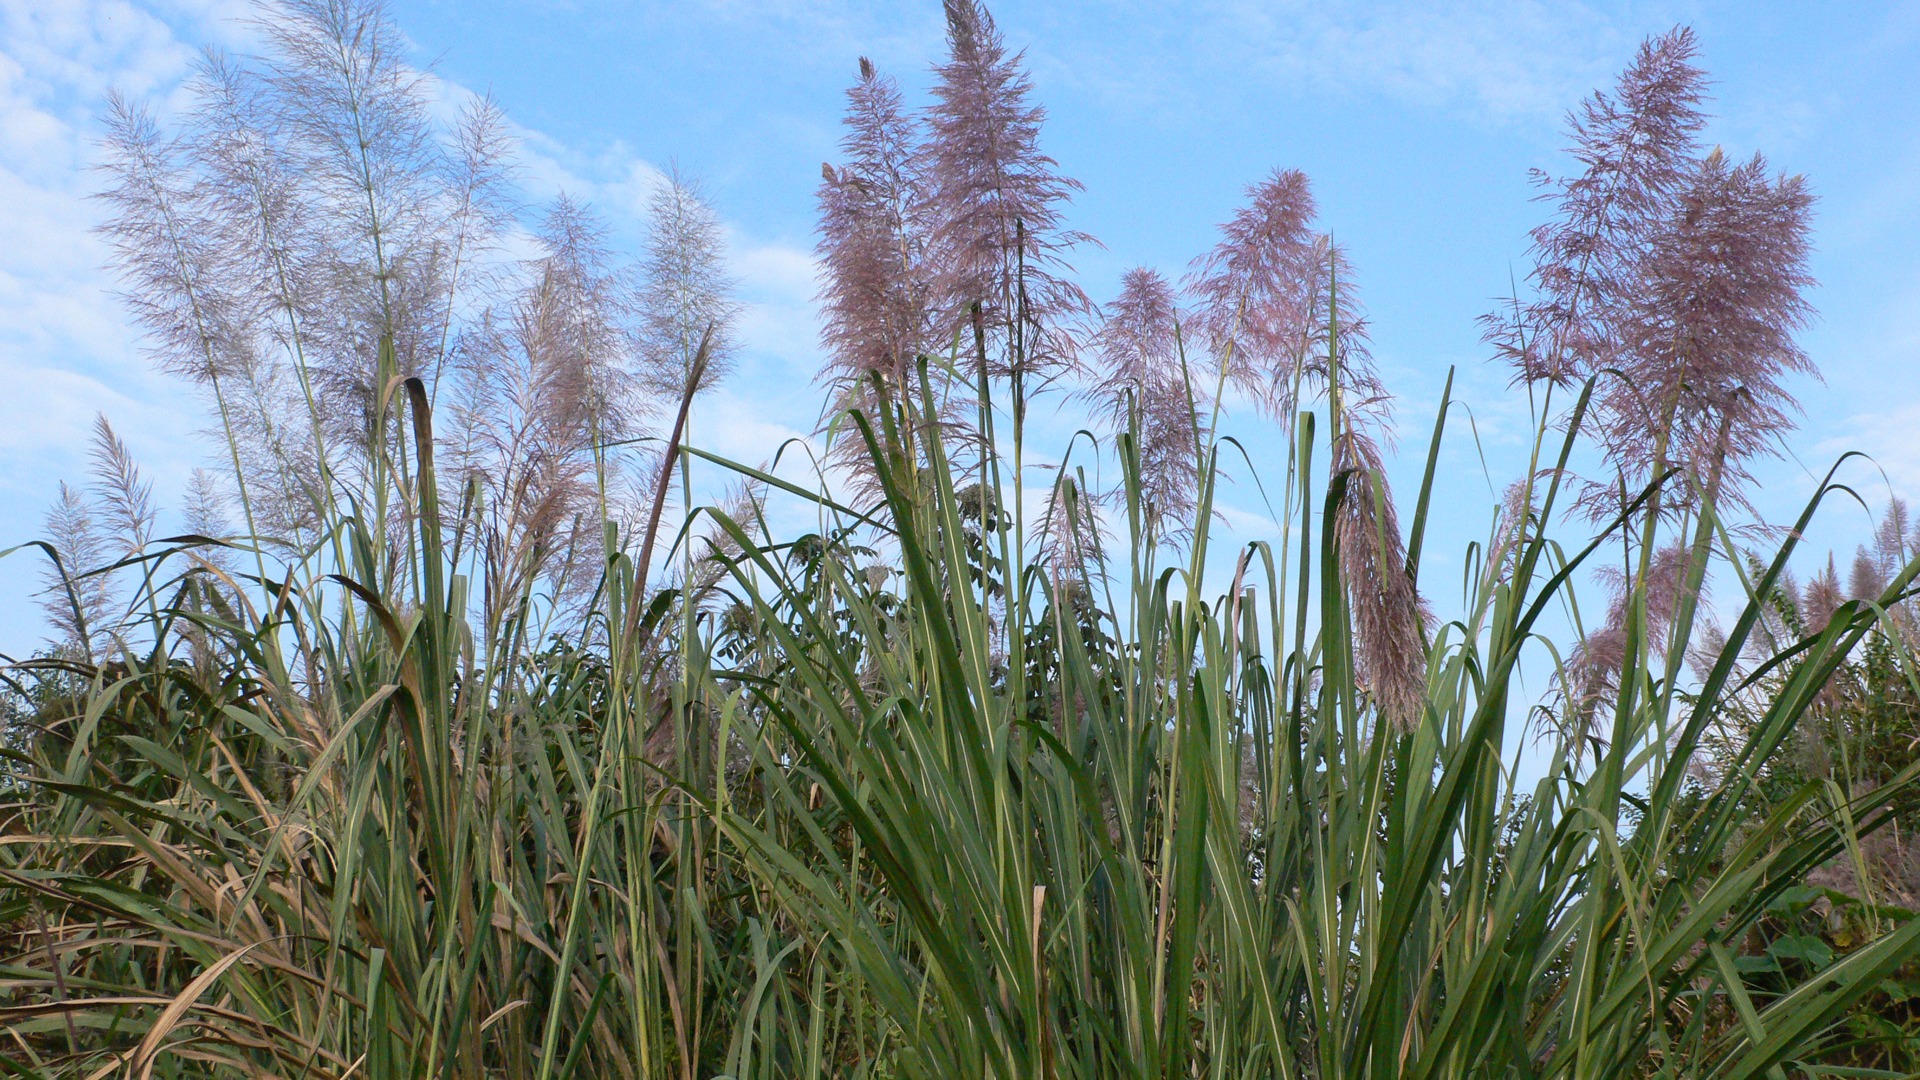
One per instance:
(872, 247)
(1675, 282)
(1276, 306)
(994, 205)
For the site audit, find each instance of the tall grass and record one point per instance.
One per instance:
(889, 800)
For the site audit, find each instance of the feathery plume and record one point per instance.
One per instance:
(994, 203)
(1678, 276)
(1636, 147)
(164, 246)
(1895, 543)
(1251, 291)
(481, 171)
(543, 381)
(872, 251)
(1276, 305)
(871, 241)
(745, 505)
(204, 514)
(266, 230)
(1266, 298)
(684, 292)
(1710, 334)
(354, 119)
(1511, 527)
(1595, 666)
(1821, 598)
(190, 288)
(1073, 540)
(1144, 389)
(311, 217)
(309, 214)
(1864, 579)
(76, 606)
(574, 325)
(1896, 537)
(1390, 619)
(120, 491)
(263, 219)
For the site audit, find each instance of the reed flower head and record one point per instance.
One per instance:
(1595, 665)
(871, 242)
(685, 291)
(1275, 303)
(1635, 147)
(1675, 278)
(1144, 390)
(993, 202)
(1709, 336)
(871, 245)
(1252, 291)
(546, 378)
(1270, 297)
(1073, 537)
(76, 605)
(124, 496)
(1896, 542)
(1390, 619)
(1821, 598)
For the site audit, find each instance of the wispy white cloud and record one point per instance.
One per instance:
(1503, 58)
(66, 346)
(1885, 429)
(1492, 59)
(1887, 437)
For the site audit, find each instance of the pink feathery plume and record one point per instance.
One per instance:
(1073, 538)
(1635, 147)
(1876, 565)
(1276, 305)
(1822, 597)
(1144, 389)
(1895, 542)
(994, 204)
(871, 247)
(1252, 291)
(1678, 279)
(1595, 666)
(1709, 336)
(870, 244)
(1864, 579)
(1896, 537)
(1269, 295)
(542, 379)
(1513, 526)
(1390, 619)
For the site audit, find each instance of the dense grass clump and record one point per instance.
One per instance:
(889, 800)
(463, 757)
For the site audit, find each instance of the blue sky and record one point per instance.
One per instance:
(1418, 123)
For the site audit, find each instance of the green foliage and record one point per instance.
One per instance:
(889, 801)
